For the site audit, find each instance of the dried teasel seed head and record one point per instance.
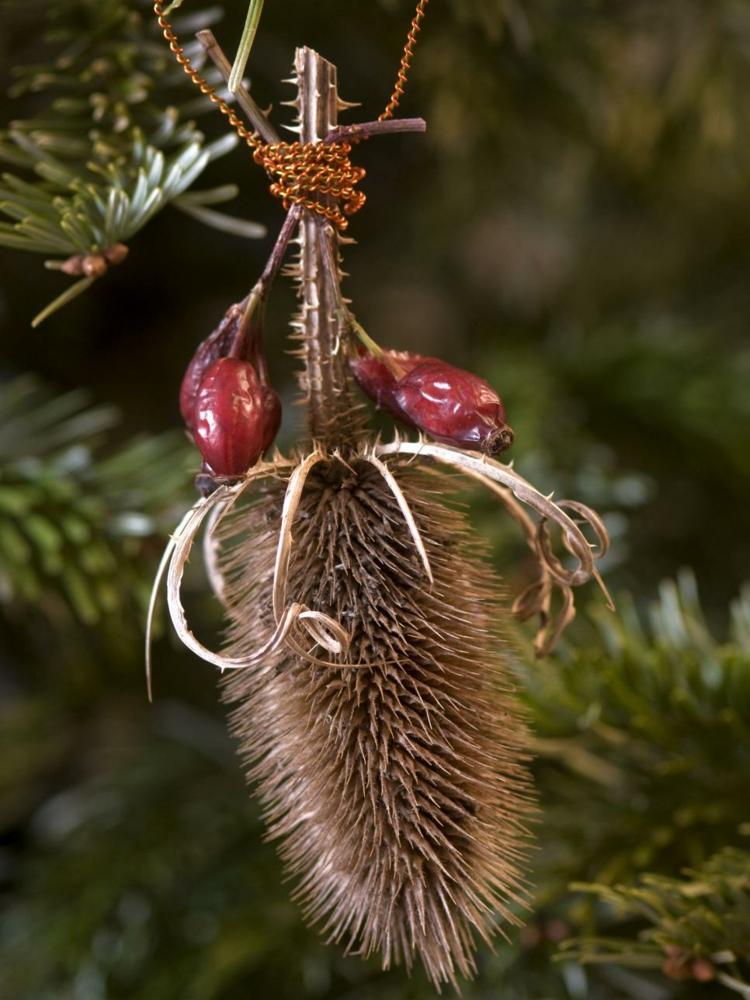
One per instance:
(393, 775)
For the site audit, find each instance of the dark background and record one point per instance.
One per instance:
(575, 226)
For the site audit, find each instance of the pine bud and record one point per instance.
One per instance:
(235, 417)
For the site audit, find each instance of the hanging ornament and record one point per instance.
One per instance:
(366, 665)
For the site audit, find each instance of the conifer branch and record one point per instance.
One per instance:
(695, 926)
(76, 522)
(636, 723)
(106, 154)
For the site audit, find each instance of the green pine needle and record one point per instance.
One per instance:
(67, 296)
(246, 44)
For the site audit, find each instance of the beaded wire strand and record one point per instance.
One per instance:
(406, 58)
(317, 176)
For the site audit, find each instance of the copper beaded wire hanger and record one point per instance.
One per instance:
(300, 171)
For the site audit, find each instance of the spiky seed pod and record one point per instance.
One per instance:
(398, 788)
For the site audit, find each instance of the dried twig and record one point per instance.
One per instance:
(257, 118)
(366, 130)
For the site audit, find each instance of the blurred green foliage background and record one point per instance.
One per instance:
(575, 226)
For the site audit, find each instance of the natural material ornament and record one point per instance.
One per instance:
(366, 660)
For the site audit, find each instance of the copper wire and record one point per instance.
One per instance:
(319, 177)
(304, 172)
(253, 140)
(405, 66)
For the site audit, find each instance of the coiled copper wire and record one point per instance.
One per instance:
(302, 173)
(406, 58)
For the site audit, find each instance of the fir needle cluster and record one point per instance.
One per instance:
(106, 153)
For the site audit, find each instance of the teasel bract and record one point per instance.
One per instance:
(366, 665)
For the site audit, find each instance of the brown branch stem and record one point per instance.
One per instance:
(271, 270)
(366, 130)
(333, 412)
(253, 113)
(248, 339)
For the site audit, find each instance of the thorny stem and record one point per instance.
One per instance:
(249, 334)
(365, 130)
(332, 409)
(333, 414)
(253, 113)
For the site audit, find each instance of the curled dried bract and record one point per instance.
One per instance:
(511, 488)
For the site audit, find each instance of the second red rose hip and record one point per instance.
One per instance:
(454, 406)
(235, 418)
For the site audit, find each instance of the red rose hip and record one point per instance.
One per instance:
(453, 406)
(216, 345)
(235, 417)
(378, 381)
(448, 403)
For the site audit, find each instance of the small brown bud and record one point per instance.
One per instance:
(703, 971)
(116, 253)
(94, 265)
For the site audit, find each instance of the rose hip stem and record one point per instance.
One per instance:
(247, 340)
(253, 113)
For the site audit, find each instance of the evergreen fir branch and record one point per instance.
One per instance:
(196, 205)
(636, 723)
(109, 66)
(105, 155)
(35, 426)
(697, 926)
(76, 527)
(86, 214)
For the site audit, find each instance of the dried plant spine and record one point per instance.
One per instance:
(334, 413)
